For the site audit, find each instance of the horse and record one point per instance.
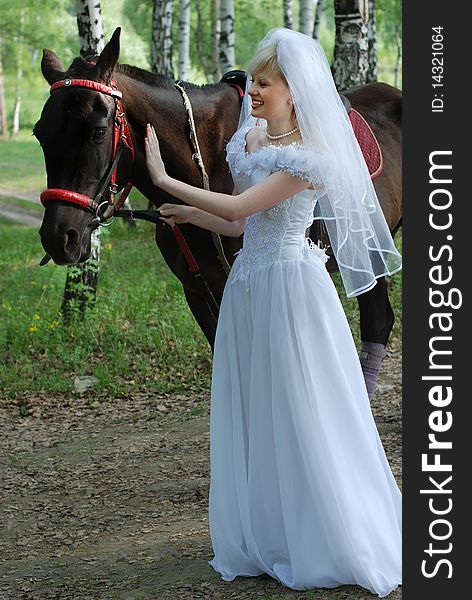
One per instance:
(75, 131)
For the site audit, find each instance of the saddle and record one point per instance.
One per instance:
(366, 139)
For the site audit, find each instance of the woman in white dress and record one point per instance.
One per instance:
(300, 485)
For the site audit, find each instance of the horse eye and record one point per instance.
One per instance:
(99, 133)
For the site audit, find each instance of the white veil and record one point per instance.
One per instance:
(358, 232)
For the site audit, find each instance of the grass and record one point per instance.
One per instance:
(22, 165)
(140, 335)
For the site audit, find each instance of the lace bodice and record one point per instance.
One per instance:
(277, 233)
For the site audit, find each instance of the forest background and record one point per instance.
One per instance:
(28, 26)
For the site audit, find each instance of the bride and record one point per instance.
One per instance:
(301, 488)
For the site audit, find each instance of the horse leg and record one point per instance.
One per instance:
(376, 322)
(202, 314)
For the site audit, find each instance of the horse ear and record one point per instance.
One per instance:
(52, 67)
(109, 57)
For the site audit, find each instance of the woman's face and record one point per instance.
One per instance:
(270, 97)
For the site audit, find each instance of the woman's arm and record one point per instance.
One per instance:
(273, 190)
(181, 213)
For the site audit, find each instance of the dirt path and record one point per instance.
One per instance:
(21, 195)
(108, 500)
(19, 214)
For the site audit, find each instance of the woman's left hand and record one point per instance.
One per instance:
(176, 213)
(154, 161)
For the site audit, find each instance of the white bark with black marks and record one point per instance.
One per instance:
(184, 40)
(89, 22)
(372, 40)
(306, 17)
(227, 57)
(161, 42)
(82, 280)
(351, 49)
(317, 24)
(288, 14)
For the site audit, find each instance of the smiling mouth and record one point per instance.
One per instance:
(256, 104)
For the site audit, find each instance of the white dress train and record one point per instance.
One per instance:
(300, 485)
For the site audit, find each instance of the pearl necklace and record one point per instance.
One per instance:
(282, 135)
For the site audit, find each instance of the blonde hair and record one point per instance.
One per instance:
(265, 61)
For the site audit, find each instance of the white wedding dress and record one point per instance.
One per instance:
(300, 485)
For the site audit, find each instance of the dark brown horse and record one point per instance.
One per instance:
(75, 132)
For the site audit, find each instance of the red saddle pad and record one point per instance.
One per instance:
(368, 142)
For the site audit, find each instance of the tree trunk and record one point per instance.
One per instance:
(200, 40)
(317, 24)
(19, 77)
(82, 280)
(288, 14)
(89, 22)
(398, 39)
(3, 108)
(372, 40)
(215, 39)
(351, 49)
(161, 43)
(184, 40)
(306, 17)
(227, 58)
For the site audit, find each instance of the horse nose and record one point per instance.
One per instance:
(71, 241)
(64, 247)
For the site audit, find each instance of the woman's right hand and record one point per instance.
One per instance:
(175, 213)
(154, 162)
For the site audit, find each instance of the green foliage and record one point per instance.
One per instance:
(28, 27)
(22, 161)
(389, 27)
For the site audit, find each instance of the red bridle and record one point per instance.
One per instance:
(121, 138)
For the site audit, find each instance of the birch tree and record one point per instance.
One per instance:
(161, 42)
(288, 14)
(317, 24)
(3, 108)
(184, 40)
(89, 22)
(200, 41)
(372, 41)
(351, 48)
(306, 17)
(19, 75)
(82, 279)
(215, 39)
(227, 58)
(398, 62)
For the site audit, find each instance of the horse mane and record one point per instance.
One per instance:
(163, 81)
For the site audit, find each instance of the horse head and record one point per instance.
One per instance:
(76, 131)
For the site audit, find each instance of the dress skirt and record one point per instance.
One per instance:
(301, 488)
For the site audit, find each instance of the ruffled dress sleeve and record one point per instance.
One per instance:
(299, 161)
(296, 159)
